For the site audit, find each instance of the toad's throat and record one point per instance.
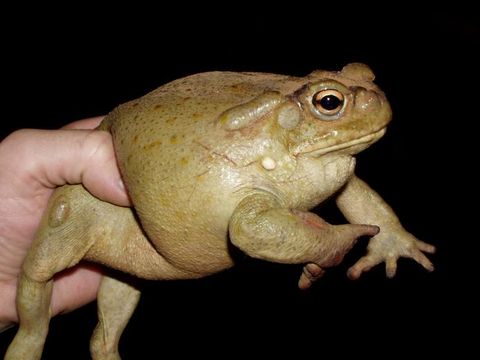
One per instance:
(364, 140)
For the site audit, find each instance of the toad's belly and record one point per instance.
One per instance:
(198, 252)
(188, 223)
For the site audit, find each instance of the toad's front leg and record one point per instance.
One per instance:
(263, 228)
(359, 203)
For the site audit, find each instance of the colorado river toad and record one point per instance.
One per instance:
(213, 159)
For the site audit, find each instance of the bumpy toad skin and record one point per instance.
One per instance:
(211, 159)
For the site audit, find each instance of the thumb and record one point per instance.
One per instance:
(58, 157)
(98, 170)
(347, 234)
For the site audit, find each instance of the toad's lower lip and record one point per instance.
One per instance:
(370, 138)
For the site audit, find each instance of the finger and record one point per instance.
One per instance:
(357, 230)
(420, 258)
(304, 282)
(311, 272)
(8, 293)
(391, 266)
(58, 157)
(370, 230)
(346, 236)
(90, 123)
(425, 247)
(314, 270)
(75, 288)
(364, 264)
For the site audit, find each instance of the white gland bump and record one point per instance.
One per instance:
(268, 163)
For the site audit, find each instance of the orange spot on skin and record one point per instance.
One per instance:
(184, 161)
(171, 120)
(158, 106)
(152, 145)
(174, 139)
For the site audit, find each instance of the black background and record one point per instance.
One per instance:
(81, 63)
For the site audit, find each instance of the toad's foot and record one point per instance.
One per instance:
(334, 247)
(388, 246)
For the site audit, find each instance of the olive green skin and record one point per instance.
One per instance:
(187, 167)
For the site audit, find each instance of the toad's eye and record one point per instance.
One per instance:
(328, 102)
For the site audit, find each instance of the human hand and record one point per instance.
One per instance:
(32, 164)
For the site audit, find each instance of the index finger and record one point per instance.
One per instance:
(90, 123)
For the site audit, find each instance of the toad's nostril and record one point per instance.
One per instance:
(366, 100)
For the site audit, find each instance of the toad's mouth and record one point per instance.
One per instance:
(357, 145)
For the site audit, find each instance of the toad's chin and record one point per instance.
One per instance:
(349, 147)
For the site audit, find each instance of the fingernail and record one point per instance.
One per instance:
(121, 185)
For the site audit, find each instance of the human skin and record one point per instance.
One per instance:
(33, 163)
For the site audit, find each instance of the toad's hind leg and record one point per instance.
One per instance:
(116, 302)
(33, 306)
(60, 243)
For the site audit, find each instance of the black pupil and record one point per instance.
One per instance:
(330, 102)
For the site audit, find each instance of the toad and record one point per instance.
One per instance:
(213, 160)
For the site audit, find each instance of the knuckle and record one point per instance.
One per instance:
(98, 145)
(17, 138)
